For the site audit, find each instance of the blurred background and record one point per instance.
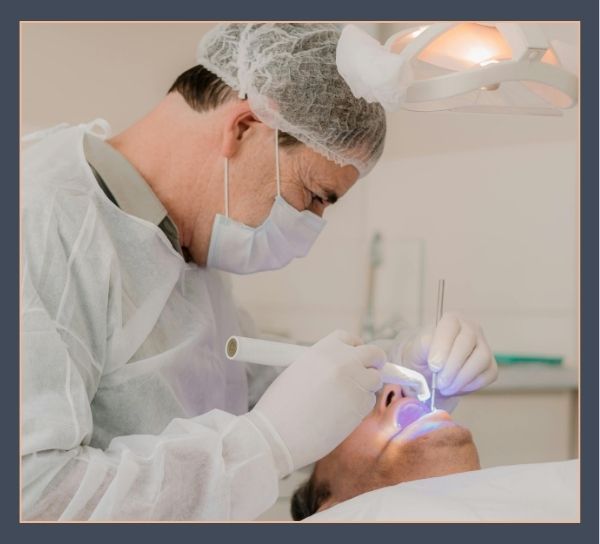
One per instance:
(488, 202)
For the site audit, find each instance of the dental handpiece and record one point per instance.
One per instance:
(266, 352)
(438, 315)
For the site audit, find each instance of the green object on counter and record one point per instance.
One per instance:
(516, 358)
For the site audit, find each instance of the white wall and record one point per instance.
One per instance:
(76, 72)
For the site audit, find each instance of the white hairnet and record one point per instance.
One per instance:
(288, 73)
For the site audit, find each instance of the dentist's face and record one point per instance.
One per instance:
(397, 442)
(232, 132)
(309, 181)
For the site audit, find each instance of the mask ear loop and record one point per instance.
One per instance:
(226, 187)
(277, 162)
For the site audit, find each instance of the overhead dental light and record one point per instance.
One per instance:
(461, 66)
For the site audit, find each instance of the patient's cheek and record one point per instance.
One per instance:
(365, 442)
(354, 466)
(366, 479)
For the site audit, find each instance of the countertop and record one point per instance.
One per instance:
(534, 377)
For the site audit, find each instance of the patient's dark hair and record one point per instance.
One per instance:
(308, 498)
(204, 91)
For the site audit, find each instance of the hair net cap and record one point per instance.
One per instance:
(289, 75)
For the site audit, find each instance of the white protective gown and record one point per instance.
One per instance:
(128, 402)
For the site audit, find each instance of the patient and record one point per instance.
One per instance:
(397, 442)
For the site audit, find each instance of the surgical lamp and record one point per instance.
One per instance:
(470, 67)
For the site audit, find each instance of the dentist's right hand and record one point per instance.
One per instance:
(319, 399)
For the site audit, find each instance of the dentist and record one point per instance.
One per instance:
(129, 409)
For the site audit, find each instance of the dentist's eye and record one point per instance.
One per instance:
(388, 399)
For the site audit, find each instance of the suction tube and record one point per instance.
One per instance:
(266, 352)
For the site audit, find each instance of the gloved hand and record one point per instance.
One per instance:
(319, 399)
(456, 349)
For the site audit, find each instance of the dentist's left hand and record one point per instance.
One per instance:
(457, 350)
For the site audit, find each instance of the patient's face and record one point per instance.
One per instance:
(399, 441)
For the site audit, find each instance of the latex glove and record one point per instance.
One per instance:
(457, 350)
(319, 399)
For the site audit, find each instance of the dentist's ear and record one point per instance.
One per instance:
(238, 122)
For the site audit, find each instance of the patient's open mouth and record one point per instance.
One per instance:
(410, 411)
(409, 414)
(405, 409)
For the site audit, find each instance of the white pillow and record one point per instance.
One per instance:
(541, 492)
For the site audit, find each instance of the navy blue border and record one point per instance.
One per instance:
(585, 11)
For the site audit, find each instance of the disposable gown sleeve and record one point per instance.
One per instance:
(215, 466)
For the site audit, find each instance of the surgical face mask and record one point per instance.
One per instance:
(284, 235)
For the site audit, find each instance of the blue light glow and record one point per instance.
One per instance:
(411, 412)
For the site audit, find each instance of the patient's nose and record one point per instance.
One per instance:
(388, 394)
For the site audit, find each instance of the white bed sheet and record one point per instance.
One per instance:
(541, 492)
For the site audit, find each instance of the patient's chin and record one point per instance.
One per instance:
(435, 440)
(447, 449)
(453, 436)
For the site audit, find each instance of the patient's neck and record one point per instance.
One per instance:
(445, 455)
